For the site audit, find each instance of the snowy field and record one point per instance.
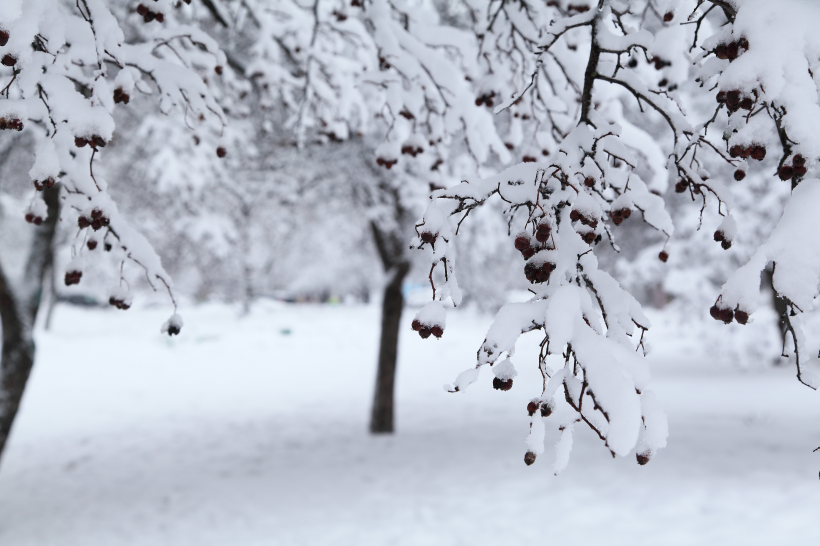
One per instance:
(252, 431)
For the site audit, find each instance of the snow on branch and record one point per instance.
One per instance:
(66, 66)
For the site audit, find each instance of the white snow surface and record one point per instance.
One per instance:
(253, 431)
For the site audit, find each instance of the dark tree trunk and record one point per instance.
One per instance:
(19, 303)
(391, 242)
(381, 419)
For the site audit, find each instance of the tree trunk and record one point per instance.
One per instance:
(381, 419)
(19, 303)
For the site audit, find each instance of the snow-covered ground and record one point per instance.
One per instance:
(252, 431)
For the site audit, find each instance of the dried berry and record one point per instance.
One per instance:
(740, 174)
(726, 245)
(502, 384)
(437, 331)
(589, 182)
(799, 160)
(714, 312)
(719, 236)
(222, 152)
(542, 233)
(4, 38)
(681, 186)
(726, 315)
(532, 407)
(663, 256)
(424, 332)
(741, 316)
(9, 60)
(416, 325)
(546, 410)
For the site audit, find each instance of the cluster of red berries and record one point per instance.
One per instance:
(383, 64)
(121, 96)
(340, 16)
(725, 243)
(148, 15)
(528, 159)
(425, 330)
(40, 185)
(486, 99)
(797, 168)
(538, 273)
(32, 218)
(73, 277)
(8, 60)
(576, 216)
(98, 220)
(411, 149)
(13, 124)
(732, 50)
(756, 151)
(727, 315)
(356, 3)
(502, 384)
(93, 141)
(4, 38)
(533, 406)
(523, 243)
(119, 303)
(386, 163)
(660, 63)
(735, 100)
(619, 215)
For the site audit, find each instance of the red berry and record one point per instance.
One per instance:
(758, 153)
(437, 331)
(668, 16)
(726, 315)
(148, 17)
(159, 17)
(522, 242)
(532, 407)
(721, 97)
(741, 316)
(4, 38)
(642, 458)
(740, 174)
(681, 186)
(799, 160)
(218, 69)
(546, 411)
(589, 182)
(726, 245)
(9, 60)
(502, 384)
(529, 458)
(83, 222)
(733, 98)
(626, 213)
(221, 152)
(785, 172)
(91, 244)
(80, 142)
(543, 232)
(424, 332)
(142, 10)
(719, 235)
(429, 237)
(574, 215)
(528, 253)
(714, 312)
(416, 325)
(747, 103)
(663, 256)
(800, 171)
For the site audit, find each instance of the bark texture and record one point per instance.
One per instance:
(19, 302)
